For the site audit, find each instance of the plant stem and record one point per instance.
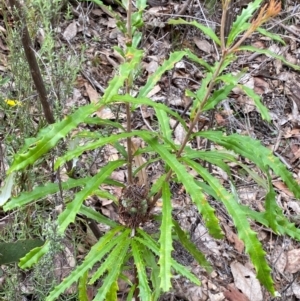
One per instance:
(128, 108)
(32, 62)
(202, 104)
(129, 143)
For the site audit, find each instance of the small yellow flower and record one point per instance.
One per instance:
(13, 103)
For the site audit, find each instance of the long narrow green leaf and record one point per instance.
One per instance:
(130, 293)
(69, 214)
(49, 137)
(157, 185)
(97, 252)
(109, 263)
(149, 102)
(33, 256)
(254, 151)
(103, 122)
(112, 294)
(188, 245)
(241, 24)
(232, 79)
(258, 179)
(285, 227)
(124, 71)
(216, 157)
(272, 35)
(191, 187)
(93, 145)
(200, 93)
(254, 215)
(207, 189)
(156, 76)
(113, 273)
(270, 206)
(5, 192)
(106, 195)
(145, 291)
(148, 242)
(166, 240)
(42, 191)
(217, 97)
(256, 98)
(164, 124)
(206, 30)
(182, 270)
(12, 252)
(96, 216)
(82, 290)
(271, 54)
(247, 235)
(198, 60)
(150, 261)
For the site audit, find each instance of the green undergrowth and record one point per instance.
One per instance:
(126, 241)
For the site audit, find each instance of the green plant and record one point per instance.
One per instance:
(128, 241)
(23, 118)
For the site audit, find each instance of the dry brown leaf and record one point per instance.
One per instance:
(2, 29)
(179, 133)
(293, 261)
(220, 120)
(70, 258)
(118, 175)
(175, 100)
(97, 12)
(106, 212)
(111, 153)
(203, 45)
(105, 202)
(215, 297)
(294, 206)
(232, 294)
(233, 238)
(152, 67)
(291, 58)
(147, 112)
(260, 86)
(154, 91)
(111, 23)
(294, 290)
(292, 133)
(280, 259)
(139, 161)
(110, 57)
(70, 32)
(246, 281)
(284, 76)
(283, 188)
(156, 11)
(91, 92)
(2, 46)
(296, 152)
(102, 112)
(247, 103)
